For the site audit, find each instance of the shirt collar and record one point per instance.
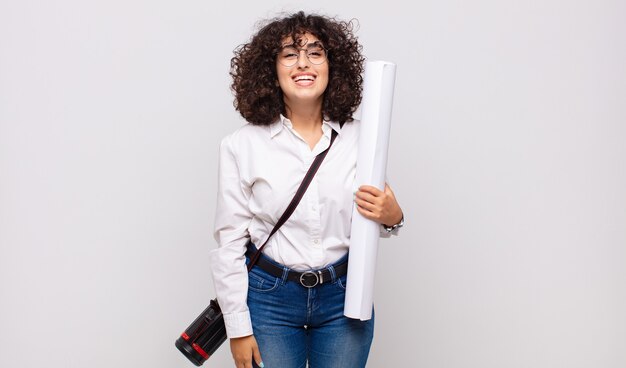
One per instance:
(277, 126)
(335, 125)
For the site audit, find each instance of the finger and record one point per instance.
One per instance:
(371, 189)
(366, 196)
(371, 207)
(388, 190)
(257, 357)
(367, 214)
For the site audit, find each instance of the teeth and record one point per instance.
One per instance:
(304, 77)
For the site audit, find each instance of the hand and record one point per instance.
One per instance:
(377, 205)
(244, 349)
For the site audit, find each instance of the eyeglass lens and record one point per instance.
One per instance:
(288, 55)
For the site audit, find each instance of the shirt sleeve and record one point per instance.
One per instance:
(383, 233)
(227, 262)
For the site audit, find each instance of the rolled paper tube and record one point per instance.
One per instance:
(378, 85)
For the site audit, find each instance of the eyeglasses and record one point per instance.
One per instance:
(288, 56)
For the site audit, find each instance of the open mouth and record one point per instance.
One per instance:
(304, 79)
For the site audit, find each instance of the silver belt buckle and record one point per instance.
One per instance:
(309, 279)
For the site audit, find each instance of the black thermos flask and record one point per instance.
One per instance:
(205, 334)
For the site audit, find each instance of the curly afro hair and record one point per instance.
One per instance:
(258, 96)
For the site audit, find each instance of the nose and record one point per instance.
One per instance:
(303, 60)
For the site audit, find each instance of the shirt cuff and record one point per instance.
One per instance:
(396, 229)
(238, 324)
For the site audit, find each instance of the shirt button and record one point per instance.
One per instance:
(316, 241)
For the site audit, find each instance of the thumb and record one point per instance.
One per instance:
(256, 354)
(388, 190)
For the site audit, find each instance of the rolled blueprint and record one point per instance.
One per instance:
(378, 84)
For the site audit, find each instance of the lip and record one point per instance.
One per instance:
(304, 82)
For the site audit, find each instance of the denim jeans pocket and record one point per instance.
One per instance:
(341, 282)
(261, 281)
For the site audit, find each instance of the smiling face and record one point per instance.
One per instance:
(305, 81)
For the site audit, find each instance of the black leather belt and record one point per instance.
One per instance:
(307, 279)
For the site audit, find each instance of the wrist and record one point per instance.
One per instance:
(398, 218)
(395, 226)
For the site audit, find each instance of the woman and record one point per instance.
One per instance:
(296, 81)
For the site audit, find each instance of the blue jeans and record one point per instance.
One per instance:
(293, 324)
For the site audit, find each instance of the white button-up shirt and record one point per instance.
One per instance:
(260, 169)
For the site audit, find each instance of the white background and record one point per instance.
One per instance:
(508, 157)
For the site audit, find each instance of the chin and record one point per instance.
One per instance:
(305, 97)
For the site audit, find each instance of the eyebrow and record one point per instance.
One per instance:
(293, 44)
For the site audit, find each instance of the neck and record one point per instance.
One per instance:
(305, 118)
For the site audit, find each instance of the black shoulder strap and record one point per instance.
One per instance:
(296, 198)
